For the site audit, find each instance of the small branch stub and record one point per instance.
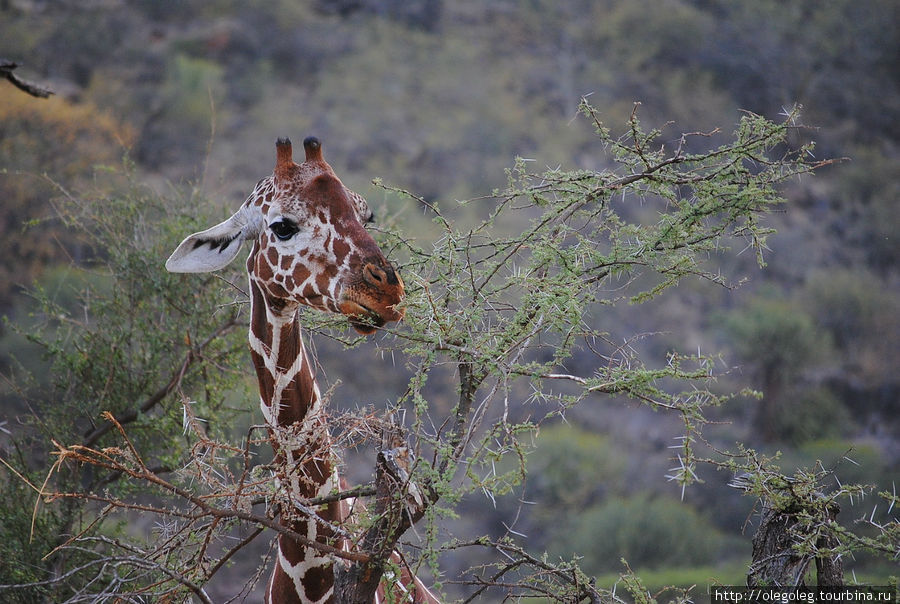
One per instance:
(6, 71)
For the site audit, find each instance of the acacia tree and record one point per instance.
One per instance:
(503, 314)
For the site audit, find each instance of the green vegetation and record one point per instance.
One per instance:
(595, 324)
(781, 342)
(655, 533)
(115, 334)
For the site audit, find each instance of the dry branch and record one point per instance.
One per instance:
(6, 71)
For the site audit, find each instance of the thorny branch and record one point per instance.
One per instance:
(192, 523)
(115, 566)
(569, 577)
(490, 308)
(485, 304)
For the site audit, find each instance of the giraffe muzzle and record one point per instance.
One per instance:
(364, 320)
(373, 300)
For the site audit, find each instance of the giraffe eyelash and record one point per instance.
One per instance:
(284, 229)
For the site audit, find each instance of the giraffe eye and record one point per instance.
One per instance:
(284, 229)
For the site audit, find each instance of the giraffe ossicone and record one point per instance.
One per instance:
(309, 247)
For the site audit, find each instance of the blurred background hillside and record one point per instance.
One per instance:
(439, 98)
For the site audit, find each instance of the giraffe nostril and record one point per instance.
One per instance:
(374, 275)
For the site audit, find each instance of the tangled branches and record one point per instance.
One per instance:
(494, 319)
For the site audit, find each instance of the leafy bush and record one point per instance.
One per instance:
(779, 341)
(857, 309)
(572, 467)
(119, 335)
(646, 532)
(805, 414)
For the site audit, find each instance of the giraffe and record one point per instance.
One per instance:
(309, 247)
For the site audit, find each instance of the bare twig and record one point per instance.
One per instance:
(6, 70)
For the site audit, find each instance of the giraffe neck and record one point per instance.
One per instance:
(292, 406)
(288, 390)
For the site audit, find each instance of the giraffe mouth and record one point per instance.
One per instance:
(363, 319)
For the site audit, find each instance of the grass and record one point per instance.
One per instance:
(732, 573)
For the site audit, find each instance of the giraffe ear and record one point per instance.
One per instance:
(215, 247)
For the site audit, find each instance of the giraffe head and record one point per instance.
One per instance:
(309, 244)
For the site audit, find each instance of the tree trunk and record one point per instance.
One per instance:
(395, 511)
(775, 563)
(829, 569)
